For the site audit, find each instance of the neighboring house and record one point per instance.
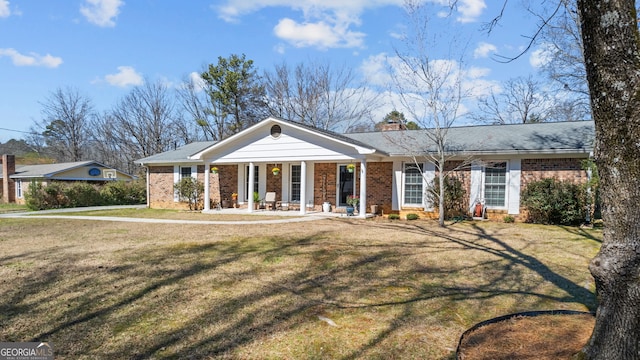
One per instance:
(502, 160)
(16, 178)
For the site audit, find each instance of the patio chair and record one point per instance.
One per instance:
(270, 200)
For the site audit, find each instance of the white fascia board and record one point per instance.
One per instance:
(463, 154)
(360, 149)
(169, 163)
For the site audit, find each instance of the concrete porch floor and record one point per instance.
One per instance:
(268, 212)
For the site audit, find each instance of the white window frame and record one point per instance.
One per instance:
(505, 205)
(291, 183)
(177, 176)
(422, 167)
(19, 193)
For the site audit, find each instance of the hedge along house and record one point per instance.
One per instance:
(314, 165)
(17, 178)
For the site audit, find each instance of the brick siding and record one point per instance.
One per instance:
(561, 169)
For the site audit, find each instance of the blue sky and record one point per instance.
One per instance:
(103, 48)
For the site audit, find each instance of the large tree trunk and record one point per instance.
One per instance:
(610, 34)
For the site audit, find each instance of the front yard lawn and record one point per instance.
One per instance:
(334, 288)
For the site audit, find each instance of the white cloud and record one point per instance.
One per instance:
(32, 59)
(483, 50)
(330, 23)
(4, 8)
(470, 10)
(126, 76)
(541, 56)
(319, 34)
(101, 12)
(197, 81)
(323, 24)
(280, 48)
(381, 69)
(375, 70)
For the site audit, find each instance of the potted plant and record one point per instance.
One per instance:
(275, 171)
(214, 170)
(351, 167)
(352, 202)
(256, 200)
(234, 199)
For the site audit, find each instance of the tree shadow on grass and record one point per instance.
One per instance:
(213, 299)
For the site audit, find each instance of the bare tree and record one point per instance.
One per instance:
(431, 92)
(319, 95)
(66, 124)
(207, 114)
(522, 101)
(142, 124)
(562, 46)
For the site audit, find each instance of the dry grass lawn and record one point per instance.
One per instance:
(329, 289)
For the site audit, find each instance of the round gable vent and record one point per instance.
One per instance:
(276, 131)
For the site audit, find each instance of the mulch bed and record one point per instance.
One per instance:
(540, 336)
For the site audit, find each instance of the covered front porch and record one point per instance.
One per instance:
(313, 167)
(299, 187)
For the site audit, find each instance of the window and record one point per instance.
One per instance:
(413, 183)
(19, 188)
(276, 131)
(185, 172)
(495, 184)
(296, 182)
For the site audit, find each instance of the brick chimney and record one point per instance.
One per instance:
(8, 185)
(392, 125)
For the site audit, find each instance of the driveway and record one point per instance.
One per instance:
(286, 217)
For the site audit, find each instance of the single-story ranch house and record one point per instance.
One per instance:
(16, 178)
(314, 166)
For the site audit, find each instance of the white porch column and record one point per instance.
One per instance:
(207, 195)
(252, 174)
(362, 212)
(303, 188)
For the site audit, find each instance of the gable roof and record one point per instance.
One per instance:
(57, 169)
(539, 138)
(182, 154)
(359, 147)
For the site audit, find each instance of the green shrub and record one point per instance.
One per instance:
(54, 196)
(78, 194)
(190, 190)
(123, 193)
(412, 216)
(550, 201)
(34, 197)
(394, 217)
(509, 219)
(455, 204)
(82, 194)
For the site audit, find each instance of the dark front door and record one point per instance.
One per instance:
(346, 185)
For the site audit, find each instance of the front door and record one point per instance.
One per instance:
(346, 185)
